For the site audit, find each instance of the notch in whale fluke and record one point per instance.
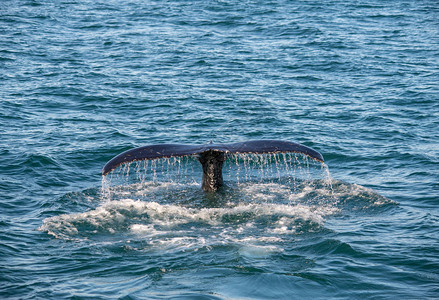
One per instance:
(211, 155)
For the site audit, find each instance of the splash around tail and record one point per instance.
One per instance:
(211, 156)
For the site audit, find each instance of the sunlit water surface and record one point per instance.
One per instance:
(82, 81)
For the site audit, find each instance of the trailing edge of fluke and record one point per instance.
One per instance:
(211, 156)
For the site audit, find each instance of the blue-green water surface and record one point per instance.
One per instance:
(82, 81)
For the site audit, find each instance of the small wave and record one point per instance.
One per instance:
(357, 197)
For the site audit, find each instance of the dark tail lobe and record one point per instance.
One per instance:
(211, 156)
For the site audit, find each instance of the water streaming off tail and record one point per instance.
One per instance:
(290, 169)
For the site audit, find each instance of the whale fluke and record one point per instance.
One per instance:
(211, 156)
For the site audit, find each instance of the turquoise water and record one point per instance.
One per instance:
(82, 81)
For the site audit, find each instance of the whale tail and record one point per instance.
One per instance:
(211, 156)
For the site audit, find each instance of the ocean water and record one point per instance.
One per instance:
(82, 81)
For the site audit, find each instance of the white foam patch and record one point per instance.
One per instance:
(303, 193)
(167, 224)
(142, 229)
(265, 191)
